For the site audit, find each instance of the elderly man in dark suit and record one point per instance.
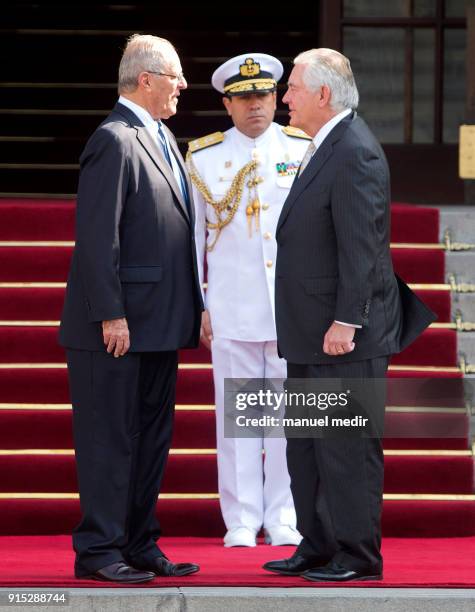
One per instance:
(132, 300)
(340, 313)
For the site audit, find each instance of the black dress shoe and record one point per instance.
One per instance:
(161, 566)
(334, 572)
(119, 572)
(295, 565)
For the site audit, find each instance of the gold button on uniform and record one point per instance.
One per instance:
(269, 263)
(265, 206)
(267, 236)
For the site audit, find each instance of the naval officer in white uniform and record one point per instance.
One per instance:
(240, 181)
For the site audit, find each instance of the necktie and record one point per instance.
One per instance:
(164, 144)
(173, 163)
(307, 157)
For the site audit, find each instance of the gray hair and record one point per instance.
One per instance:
(143, 52)
(331, 68)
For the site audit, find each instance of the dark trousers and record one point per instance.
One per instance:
(123, 421)
(337, 482)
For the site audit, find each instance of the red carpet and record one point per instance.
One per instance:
(37, 219)
(189, 473)
(428, 464)
(54, 220)
(436, 347)
(51, 385)
(51, 264)
(37, 562)
(408, 518)
(195, 429)
(46, 303)
(411, 223)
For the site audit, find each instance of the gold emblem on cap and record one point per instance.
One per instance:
(250, 68)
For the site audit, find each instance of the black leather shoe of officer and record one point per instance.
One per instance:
(119, 572)
(334, 572)
(295, 565)
(161, 566)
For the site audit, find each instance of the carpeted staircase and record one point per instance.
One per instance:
(429, 473)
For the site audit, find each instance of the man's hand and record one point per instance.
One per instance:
(116, 336)
(339, 339)
(206, 332)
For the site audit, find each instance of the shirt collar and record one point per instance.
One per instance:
(254, 142)
(143, 114)
(328, 127)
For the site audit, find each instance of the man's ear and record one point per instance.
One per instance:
(324, 96)
(143, 80)
(227, 104)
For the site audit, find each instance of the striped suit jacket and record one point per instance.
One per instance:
(333, 257)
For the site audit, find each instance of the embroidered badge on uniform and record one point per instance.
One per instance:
(287, 168)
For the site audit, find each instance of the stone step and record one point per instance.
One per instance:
(459, 220)
(465, 303)
(462, 264)
(254, 599)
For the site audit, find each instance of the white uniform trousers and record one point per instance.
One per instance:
(253, 493)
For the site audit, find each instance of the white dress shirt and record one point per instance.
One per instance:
(328, 127)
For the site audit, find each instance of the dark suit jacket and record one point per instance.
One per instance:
(134, 255)
(333, 257)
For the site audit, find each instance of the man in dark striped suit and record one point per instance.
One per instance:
(340, 312)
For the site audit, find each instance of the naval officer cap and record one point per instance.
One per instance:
(247, 73)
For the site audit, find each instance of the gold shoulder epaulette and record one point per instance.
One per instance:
(295, 132)
(205, 141)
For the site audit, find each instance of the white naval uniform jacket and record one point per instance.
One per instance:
(241, 269)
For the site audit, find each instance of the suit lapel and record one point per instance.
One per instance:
(162, 164)
(320, 157)
(155, 153)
